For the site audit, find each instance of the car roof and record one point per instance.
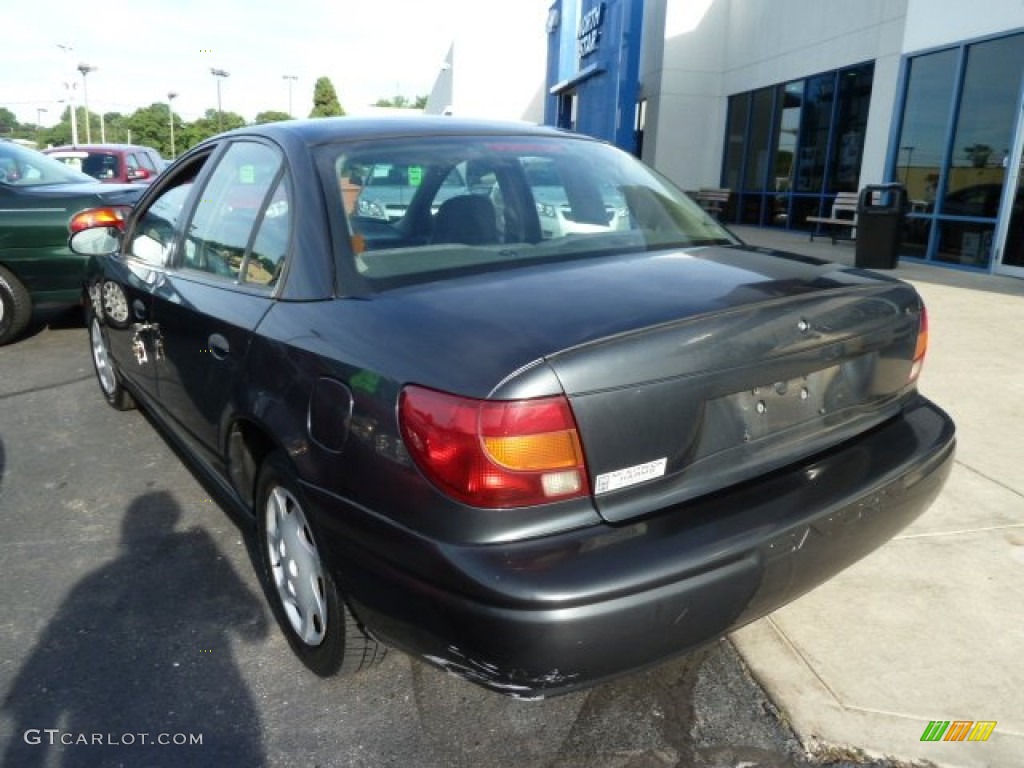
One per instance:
(329, 129)
(98, 148)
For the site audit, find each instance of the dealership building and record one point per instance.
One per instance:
(788, 102)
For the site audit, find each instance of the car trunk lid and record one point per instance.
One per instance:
(680, 409)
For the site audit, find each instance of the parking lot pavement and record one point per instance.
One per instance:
(929, 627)
(132, 615)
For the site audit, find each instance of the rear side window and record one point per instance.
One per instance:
(240, 227)
(146, 161)
(265, 259)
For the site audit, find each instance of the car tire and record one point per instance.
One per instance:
(107, 374)
(15, 307)
(306, 602)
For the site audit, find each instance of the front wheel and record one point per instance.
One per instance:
(15, 307)
(107, 375)
(306, 602)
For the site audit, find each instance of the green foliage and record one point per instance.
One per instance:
(325, 99)
(271, 116)
(978, 154)
(397, 102)
(401, 102)
(207, 126)
(116, 128)
(8, 122)
(151, 126)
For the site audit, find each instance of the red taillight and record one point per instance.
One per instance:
(495, 453)
(922, 346)
(108, 216)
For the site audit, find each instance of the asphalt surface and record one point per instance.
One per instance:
(132, 615)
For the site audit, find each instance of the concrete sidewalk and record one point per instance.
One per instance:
(931, 626)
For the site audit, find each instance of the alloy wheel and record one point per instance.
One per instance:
(101, 357)
(295, 566)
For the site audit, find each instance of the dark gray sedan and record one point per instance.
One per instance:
(538, 457)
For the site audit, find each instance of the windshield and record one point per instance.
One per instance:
(489, 203)
(27, 168)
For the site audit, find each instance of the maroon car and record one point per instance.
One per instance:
(113, 163)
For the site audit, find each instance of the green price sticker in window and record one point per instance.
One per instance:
(415, 175)
(247, 174)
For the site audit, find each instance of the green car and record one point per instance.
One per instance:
(38, 195)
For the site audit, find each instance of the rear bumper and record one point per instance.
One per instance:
(562, 612)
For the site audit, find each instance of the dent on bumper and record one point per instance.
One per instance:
(551, 615)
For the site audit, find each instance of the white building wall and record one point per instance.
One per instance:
(715, 48)
(683, 87)
(499, 75)
(935, 23)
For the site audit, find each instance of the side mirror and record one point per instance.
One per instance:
(97, 231)
(99, 241)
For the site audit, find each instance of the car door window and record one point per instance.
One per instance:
(263, 263)
(153, 236)
(229, 208)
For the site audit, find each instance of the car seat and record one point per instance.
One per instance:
(468, 219)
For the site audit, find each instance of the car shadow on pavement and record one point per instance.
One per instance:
(137, 667)
(52, 317)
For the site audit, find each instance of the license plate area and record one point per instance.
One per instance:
(774, 407)
(785, 407)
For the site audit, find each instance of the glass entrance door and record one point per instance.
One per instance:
(1012, 228)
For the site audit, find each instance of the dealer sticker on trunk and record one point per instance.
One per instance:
(623, 478)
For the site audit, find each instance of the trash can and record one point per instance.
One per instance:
(881, 210)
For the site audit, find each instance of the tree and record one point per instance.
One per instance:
(325, 99)
(978, 154)
(401, 102)
(151, 126)
(115, 127)
(206, 126)
(272, 116)
(396, 102)
(60, 134)
(8, 122)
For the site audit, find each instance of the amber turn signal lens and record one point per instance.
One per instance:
(527, 453)
(921, 349)
(110, 216)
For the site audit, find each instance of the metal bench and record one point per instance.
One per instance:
(713, 201)
(844, 216)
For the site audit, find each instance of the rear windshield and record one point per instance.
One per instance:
(99, 165)
(491, 203)
(24, 167)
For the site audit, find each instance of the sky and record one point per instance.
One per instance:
(370, 49)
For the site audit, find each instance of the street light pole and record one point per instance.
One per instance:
(291, 79)
(171, 96)
(219, 74)
(70, 85)
(85, 69)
